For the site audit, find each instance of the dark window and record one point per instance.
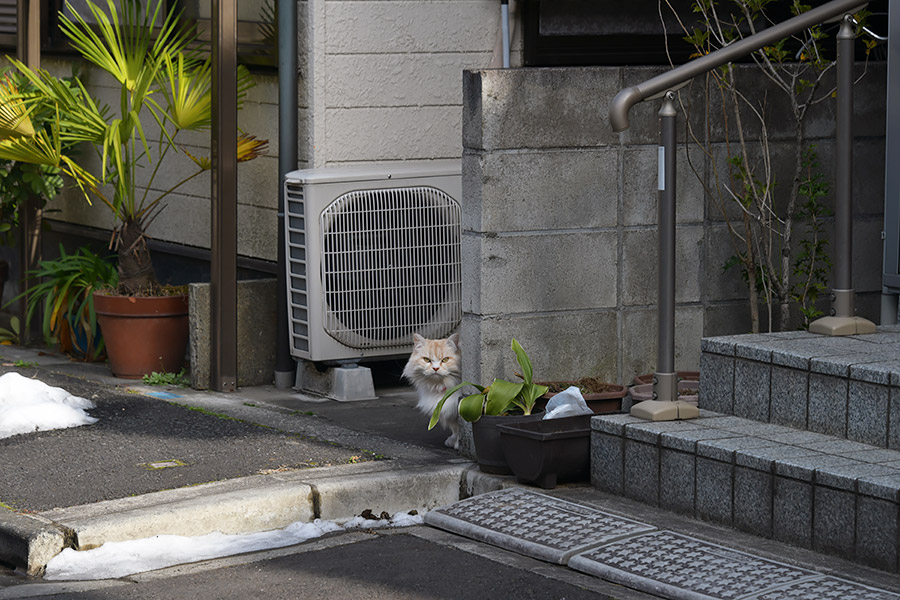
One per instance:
(630, 32)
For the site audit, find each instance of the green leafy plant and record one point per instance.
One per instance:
(65, 295)
(179, 379)
(812, 264)
(10, 337)
(20, 181)
(500, 397)
(162, 79)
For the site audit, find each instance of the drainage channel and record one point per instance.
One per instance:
(637, 555)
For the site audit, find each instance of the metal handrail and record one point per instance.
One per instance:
(672, 80)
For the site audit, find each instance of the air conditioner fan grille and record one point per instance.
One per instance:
(390, 266)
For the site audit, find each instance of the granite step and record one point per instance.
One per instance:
(805, 488)
(847, 387)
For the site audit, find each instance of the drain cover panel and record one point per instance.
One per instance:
(533, 524)
(827, 587)
(675, 566)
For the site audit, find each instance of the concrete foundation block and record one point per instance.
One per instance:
(344, 384)
(256, 331)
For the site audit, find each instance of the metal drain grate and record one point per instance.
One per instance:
(681, 567)
(533, 524)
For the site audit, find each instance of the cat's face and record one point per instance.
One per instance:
(434, 358)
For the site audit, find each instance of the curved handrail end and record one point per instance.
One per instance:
(621, 104)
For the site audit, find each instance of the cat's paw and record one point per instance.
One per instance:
(452, 442)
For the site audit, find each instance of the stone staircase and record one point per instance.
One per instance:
(798, 440)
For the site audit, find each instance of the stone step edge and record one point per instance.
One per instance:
(822, 501)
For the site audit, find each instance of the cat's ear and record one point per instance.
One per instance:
(418, 340)
(454, 339)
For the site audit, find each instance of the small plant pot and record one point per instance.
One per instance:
(607, 401)
(486, 435)
(545, 453)
(687, 392)
(681, 375)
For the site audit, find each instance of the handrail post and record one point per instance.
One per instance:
(664, 406)
(843, 319)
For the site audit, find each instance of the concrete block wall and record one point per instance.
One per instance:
(559, 223)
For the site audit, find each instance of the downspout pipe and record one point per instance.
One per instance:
(285, 368)
(677, 77)
(504, 20)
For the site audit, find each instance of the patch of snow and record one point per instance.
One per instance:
(118, 559)
(28, 405)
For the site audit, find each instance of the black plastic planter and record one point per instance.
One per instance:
(545, 453)
(486, 435)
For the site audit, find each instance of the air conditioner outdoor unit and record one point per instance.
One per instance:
(372, 257)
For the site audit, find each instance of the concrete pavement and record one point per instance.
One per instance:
(262, 458)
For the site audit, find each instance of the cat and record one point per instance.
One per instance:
(433, 368)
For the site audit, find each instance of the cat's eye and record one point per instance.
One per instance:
(426, 359)
(445, 359)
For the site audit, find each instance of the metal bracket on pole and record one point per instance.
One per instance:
(665, 405)
(843, 319)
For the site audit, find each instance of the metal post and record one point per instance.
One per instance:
(665, 405)
(28, 50)
(223, 288)
(664, 380)
(285, 368)
(504, 28)
(843, 319)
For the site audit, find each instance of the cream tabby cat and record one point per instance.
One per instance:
(433, 368)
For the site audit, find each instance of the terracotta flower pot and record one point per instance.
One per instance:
(607, 401)
(486, 435)
(143, 334)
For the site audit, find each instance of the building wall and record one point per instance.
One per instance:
(559, 235)
(379, 81)
(383, 80)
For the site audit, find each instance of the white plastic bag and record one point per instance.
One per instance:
(568, 403)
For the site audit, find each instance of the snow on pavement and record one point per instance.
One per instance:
(28, 405)
(118, 559)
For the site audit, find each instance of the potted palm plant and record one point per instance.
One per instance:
(500, 402)
(163, 81)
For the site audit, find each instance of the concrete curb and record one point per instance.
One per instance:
(29, 542)
(241, 505)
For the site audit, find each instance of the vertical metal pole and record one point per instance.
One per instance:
(664, 382)
(28, 50)
(843, 178)
(223, 288)
(504, 28)
(843, 319)
(285, 369)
